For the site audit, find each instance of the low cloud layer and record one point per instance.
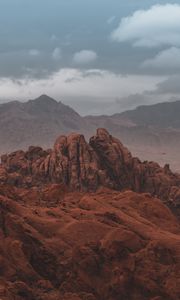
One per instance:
(95, 91)
(90, 84)
(170, 86)
(154, 27)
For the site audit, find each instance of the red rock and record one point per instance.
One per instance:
(123, 245)
(104, 162)
(71, 227)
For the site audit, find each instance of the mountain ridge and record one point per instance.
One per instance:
(39, 121)
(170, 112)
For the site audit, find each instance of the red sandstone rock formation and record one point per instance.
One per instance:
(71, 227)
(100, 246)
(103, 162)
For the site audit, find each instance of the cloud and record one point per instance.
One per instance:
(84, 57)
(166, 90)
(34, 52)
(57, 54)
(170, 86)
(154, 27)
(133, 100)
(99, 84)
(166, 60)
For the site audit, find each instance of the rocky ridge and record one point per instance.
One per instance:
(83, 221)
(82, 166)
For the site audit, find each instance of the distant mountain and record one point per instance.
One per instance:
(150, 125)
(161, 115)
(150, 132)
(36, 122)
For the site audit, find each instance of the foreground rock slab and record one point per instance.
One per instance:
(107, 245)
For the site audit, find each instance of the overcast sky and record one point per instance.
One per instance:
(99, 56)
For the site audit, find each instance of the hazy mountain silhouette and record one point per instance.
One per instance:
(151, 132)
(37, 121)
(162, 115)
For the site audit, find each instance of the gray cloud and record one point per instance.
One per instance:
(132, 101)
(167, 60)
(169, 86)
(99, 84)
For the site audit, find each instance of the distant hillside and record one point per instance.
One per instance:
(150, 132)
(36, 122)
(162, 115)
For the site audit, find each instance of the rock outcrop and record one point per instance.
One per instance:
(99, 246)
(82, 166)
(72, 226)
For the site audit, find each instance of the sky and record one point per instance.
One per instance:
(98, 56)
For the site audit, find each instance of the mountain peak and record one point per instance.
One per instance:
(45, 99)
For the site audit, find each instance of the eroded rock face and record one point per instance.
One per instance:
(74, 163)
(74, 246)
(114, 158)
(103, 162)
(58, 241)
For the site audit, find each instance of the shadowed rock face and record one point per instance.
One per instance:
(82, 166)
